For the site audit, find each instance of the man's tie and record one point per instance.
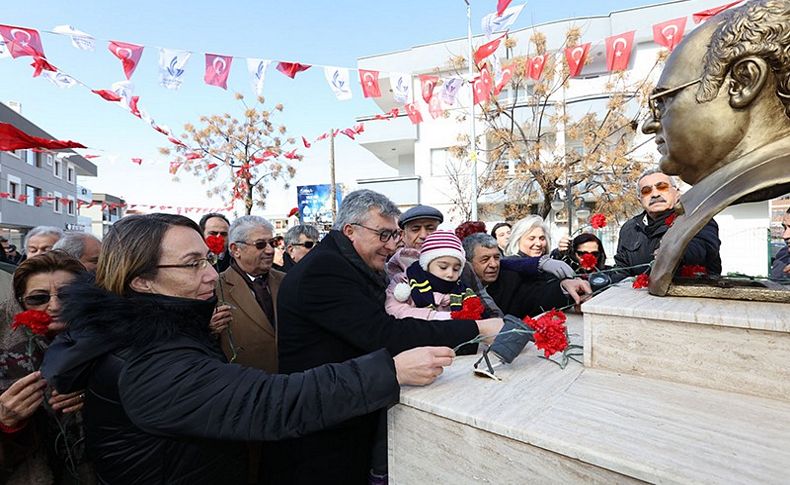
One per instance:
(260, 287)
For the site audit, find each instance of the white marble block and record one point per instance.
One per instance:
(736, 346)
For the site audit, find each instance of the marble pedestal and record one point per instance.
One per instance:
(594, 424)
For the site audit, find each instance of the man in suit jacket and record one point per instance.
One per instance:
(250, 287)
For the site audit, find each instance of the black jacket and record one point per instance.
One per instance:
(636, 247)
(164, 406)
(781, 260)
(522, 295)
(331, 308)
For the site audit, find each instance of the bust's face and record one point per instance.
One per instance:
(694, 139)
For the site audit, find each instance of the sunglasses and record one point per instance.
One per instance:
(306, 244)
(594, 253)
(37, 299)
(661, 187)
(261, 245)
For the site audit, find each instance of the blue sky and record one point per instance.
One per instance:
(330, 33)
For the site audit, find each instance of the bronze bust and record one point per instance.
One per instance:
(721, 117)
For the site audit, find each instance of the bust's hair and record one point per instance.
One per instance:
(759, 28)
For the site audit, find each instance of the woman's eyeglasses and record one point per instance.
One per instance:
(38, 299)
(199, 264)
(661, 187)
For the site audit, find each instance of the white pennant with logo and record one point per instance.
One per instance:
(171, 67)
(257, 69)
(338, 81)
(401, 87)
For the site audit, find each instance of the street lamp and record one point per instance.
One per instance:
(473, 146)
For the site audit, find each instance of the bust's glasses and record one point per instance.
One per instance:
(306, 244)
(260, 245)
(656, 97)
(384, 234)
(198, 264)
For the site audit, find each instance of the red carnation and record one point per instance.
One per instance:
(588, 262)
(293, 212)
(670, 219)
(216, 244)
(642, 281)
(468, 228)
(598, 221)
(37, 321)
(551, 335)
(693, 271)
(472, 309)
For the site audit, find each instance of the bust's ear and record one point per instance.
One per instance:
(748, 77)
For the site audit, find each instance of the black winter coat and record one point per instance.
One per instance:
(522, 295)
(635, 247)
(331, 308)
(164, 406)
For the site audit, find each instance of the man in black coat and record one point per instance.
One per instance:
(331, 308)
(641, 235)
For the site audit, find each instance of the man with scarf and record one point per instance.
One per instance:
(641, 235)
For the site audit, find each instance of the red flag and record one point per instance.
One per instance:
(129, 54)
(536, 66)
(487, 49)
(669, 33)
(21, 41)
(193, 156)
(306, 143)
(507, 75)
(349, 133)
(427, 83)
(133, 106)
(90, 156)
(322, 136)
(138, 161)
(618, 51)
(414, 113)
(501, 5)
(435, 107)
(359, 128)
(41, 64)
(217, 70)
(706, 14)
(482, 87)
(292, 155)
(174, 166)
(576, 58)
(211, 166)
(12, 138)
(370, 83)
(291, 69)
(106, 94)
(175, 141)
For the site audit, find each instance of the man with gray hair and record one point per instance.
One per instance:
(299, 240)
(83, 246)
(641, 235)
(40, 239)
(331, 308)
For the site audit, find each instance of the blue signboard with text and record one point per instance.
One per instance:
(315, 206)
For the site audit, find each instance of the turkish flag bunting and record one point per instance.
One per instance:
(700, 17)
(507, 75)
(370, 83)
(536, 66)
(359, 128)
(217, 70)
(481, 87)
(90, 156)
(129, 54)
(21, 41)
(138, 161)
(349, 132)
(291, 69)
(306, 143)
(414, 113)
(133, 106)
(106, 94)
(501, 5)
(41, 64)
(193, 156)
(427, 83)
(322, 136)
(12, 138)
(576, 58)
(669, 33)
(618, 51)
(487, 49)
(211, 166)
(291, 155)
(435, 107)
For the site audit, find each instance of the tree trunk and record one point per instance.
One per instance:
(248, 199)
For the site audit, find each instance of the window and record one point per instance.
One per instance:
(18, 153)
(31, 193)
(14, 188)
(57, 167)
(71, 206)
(439, 161)
(48, 157)
(31, 158)
(70, 174)
(57, 205)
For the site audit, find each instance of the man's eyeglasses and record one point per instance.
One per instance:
(198, 264)
(306, 244)
(661, 187)
(38, 299)
(261, 245)
(217, 233)
(594, 253)
(654, 99)
(384, 234)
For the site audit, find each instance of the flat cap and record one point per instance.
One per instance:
(420, 212)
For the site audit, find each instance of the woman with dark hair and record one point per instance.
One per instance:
(163, 405)
(40, 443)
(501, 232)
(585, 245)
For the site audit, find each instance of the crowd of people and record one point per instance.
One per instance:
(273, 360)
